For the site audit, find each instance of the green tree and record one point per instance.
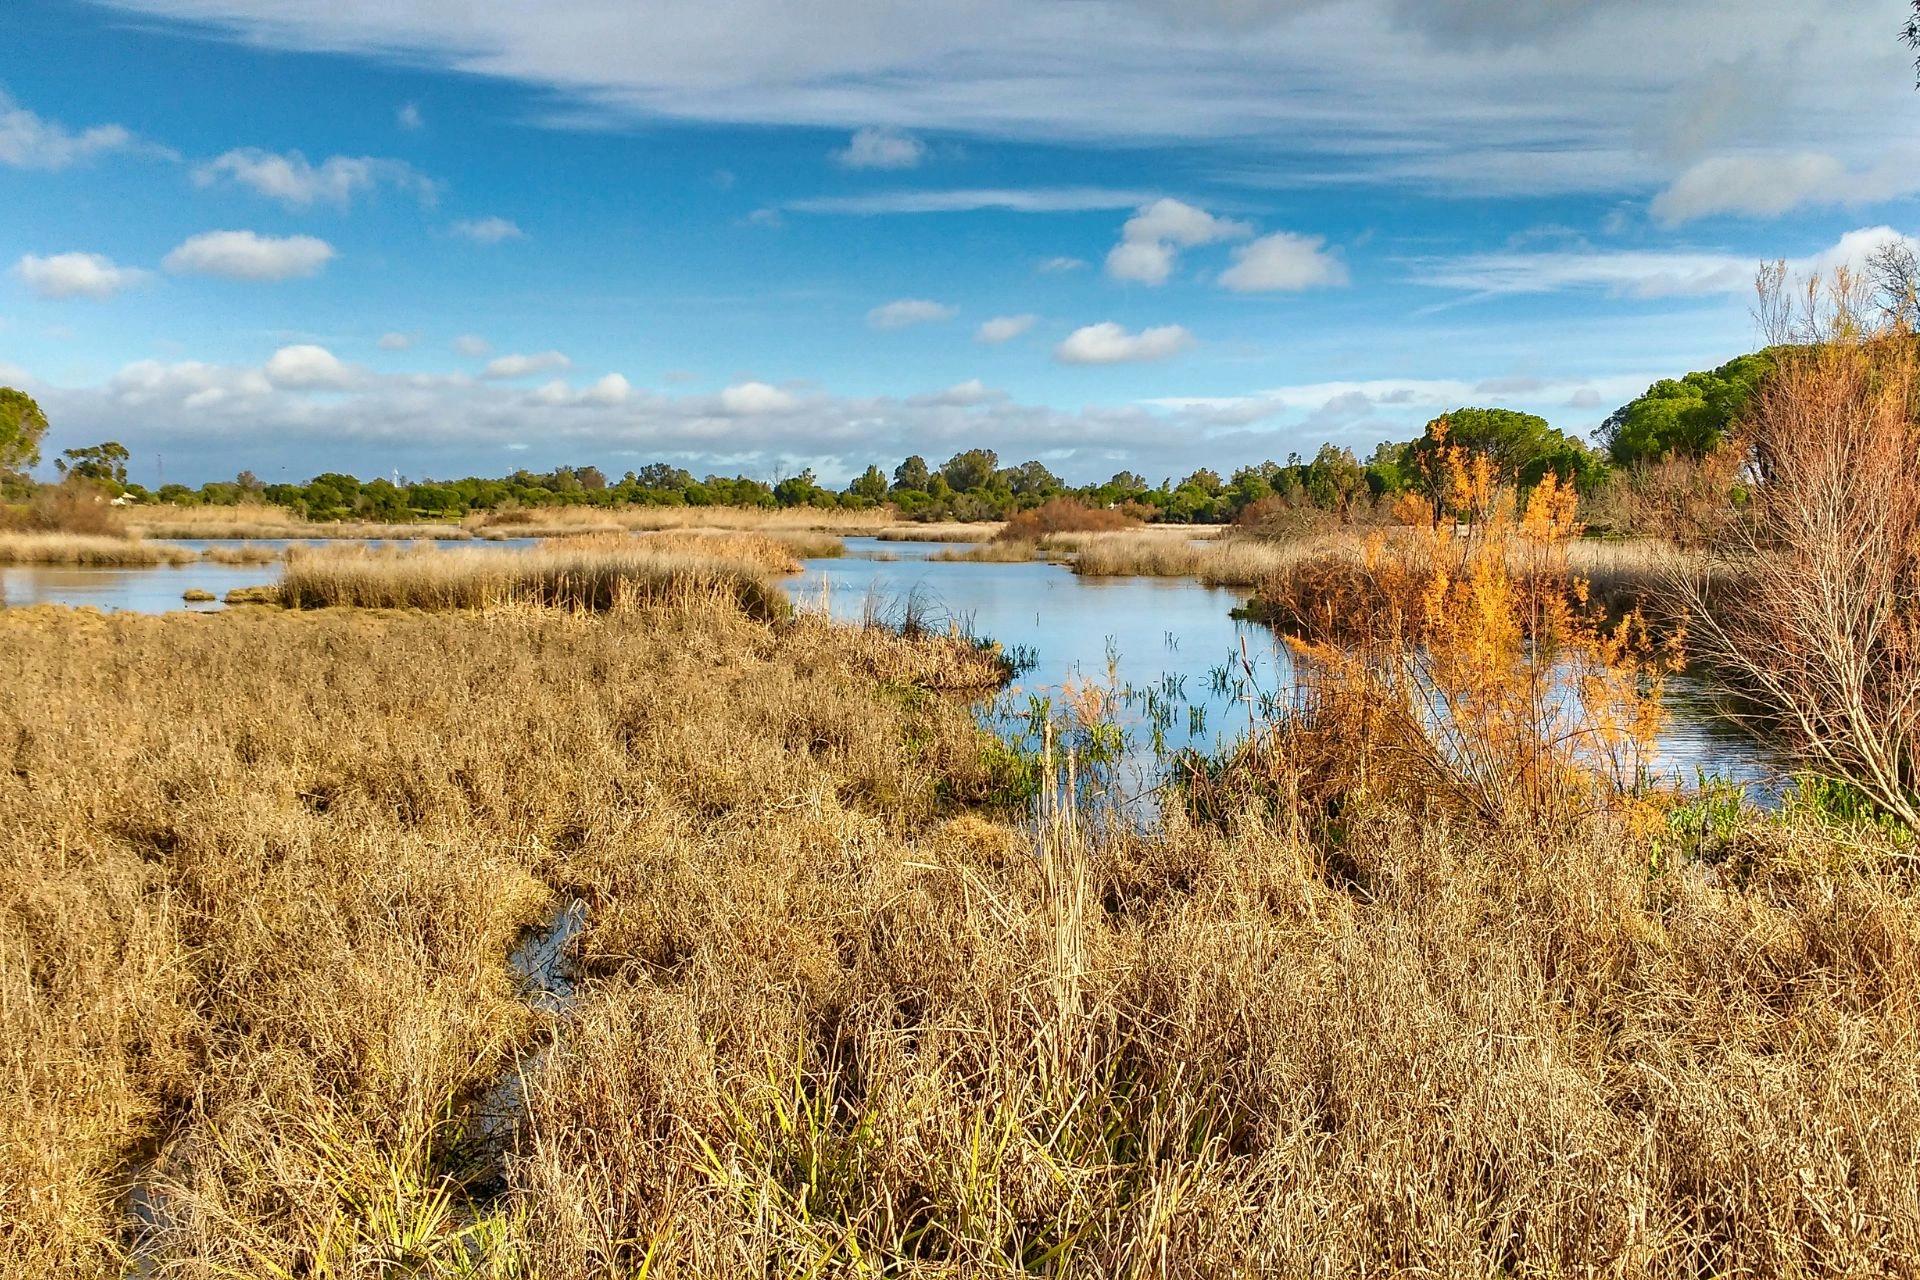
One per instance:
(106, 463)
(1522, 446)
(21, 427)
(971, 469)
(1686, 416)
(871, 486)
(796, 491)
(912, 474)
(1032, 480)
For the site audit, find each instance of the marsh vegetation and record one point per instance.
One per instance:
(1426, 972)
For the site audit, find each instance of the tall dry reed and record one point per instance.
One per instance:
(89, 550)
(597, 576)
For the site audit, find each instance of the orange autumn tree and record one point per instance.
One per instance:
(1461, 656)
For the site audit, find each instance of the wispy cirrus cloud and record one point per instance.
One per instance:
(972, 200)
(905, 312)
(29, 140)
(488, 231)
(294, 181)
(1633, 273)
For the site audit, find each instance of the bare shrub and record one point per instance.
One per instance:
(1814, 611)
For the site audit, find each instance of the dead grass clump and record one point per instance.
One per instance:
(1229, 561)
(940, 531)
(998, 551)
(1064, 515)
(594, 577)
(89, 550)
(73, 506)
(245, 553)
(560, 522)
(264, 520)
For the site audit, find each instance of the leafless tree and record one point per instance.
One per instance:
(1811, 604)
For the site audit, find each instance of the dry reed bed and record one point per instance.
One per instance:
(245, 553)
(594, 575)
(1225, 561)
(88, 550)
(259, 874)
(263, 520)
(559, 522)
(941, 531)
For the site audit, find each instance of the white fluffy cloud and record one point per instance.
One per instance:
(1004, 328)
(872, 148)
(519, 366)
(247, 255)
(607, 392)
(307, 367)
(1109, 343)
(29, 141)
(298, 183)
(1283, 261)
(1152, 238)
(76, 275)
(398, 341)
(751, 398)
(488, 230)
(904, 312)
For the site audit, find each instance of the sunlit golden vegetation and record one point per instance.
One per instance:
(91, 550)
(553, 522)
(593, 574)
(840, 1010)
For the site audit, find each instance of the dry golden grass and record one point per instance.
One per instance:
(594, 573)
(1221, 561)
(245, 553)
(264, 520)
(103, 551)
(998, 551)
(260, 872)
(941, 531)
(560, 522)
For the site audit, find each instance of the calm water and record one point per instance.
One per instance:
(1177, 670)
(1182, 671)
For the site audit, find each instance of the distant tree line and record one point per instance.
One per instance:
(1681, 419)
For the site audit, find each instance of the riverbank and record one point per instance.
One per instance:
(835, 1000)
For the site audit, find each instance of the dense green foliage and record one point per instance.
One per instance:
(1684, 417)
(104, 462)
(21, 426)
(1521, 445)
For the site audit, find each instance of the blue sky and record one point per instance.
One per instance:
(439, 238)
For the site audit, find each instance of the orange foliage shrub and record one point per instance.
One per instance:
(1461, 662)
(1065, 515)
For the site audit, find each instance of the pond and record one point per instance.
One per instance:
(1182, 671)
(1177, 669)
